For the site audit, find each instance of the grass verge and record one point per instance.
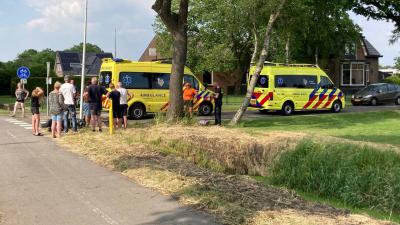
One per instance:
(377, 127)
(194, 165)
(358, 176)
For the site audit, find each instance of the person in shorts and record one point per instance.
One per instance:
(95, 93)
(125, 96)
(37, 95)
(21, 94)
(188, 96)
(115, 96)
(56, 107)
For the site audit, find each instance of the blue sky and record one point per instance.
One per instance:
(58, 24)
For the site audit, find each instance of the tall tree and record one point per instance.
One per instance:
(380, 10)
(397, 63)
(89, 48)
(260, 64)
(176, 23)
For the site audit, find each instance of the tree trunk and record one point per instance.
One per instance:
(260, 65)
(176, 24)
(175, 109)
(254, 56)
(287, 50)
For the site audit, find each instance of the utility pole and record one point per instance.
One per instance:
(83, 61)
(115, 43)
(47, 87)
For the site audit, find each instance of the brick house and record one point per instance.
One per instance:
(70, 63)
(223, 79)
(358, 67)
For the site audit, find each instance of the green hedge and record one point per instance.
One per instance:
(358, 176)
(395, 79)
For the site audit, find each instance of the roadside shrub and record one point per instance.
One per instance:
(395, 79)
(360, 176)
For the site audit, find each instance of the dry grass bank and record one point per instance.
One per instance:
(193, 165)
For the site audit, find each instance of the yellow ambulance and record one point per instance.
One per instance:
(295, 87)
(148, 83)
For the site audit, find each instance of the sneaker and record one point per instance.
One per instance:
(94, 130)
(100, 130)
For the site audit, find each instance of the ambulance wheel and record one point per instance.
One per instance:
(336, 106)
(137, 111)
(205, 109)
(288, 109)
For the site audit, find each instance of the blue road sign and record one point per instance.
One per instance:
(23, 72)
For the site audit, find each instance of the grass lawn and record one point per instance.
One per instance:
(6, 99)
(378, 127)
(232, 102)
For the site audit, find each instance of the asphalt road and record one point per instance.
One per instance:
(250, 114)
(41, 184)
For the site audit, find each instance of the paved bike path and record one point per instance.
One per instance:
(41, 184)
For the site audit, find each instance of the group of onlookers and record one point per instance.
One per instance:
(63, 102)
(119, 97)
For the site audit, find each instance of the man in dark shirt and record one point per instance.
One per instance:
(218, 104)
(95, 99)
(115, 96)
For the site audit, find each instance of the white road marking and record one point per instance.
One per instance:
(28, 128)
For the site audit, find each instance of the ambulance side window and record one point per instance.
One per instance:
(262, 81)
(295, 81)
(326, 83)
(132, 80)
(105, 78)
(160, 81)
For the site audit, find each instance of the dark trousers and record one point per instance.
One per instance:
(218, 110)
(70, 110)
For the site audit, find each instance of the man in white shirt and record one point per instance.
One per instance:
(125, 96)
(68, 91)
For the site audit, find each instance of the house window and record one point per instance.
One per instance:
(354, 73)
(367, 73)
(350, 51)
(59, 69)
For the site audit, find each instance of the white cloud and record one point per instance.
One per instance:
(56, 14)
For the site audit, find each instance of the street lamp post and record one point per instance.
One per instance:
(83, 62)
(47, 87)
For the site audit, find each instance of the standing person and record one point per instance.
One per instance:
(115, 96)
(37, 95)
(85, 106)
(218, 104)
(188, 96)
(125, 96)
(68, 91)
(77, 94)
(96, 93)
(56, 106)
(21, 94)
